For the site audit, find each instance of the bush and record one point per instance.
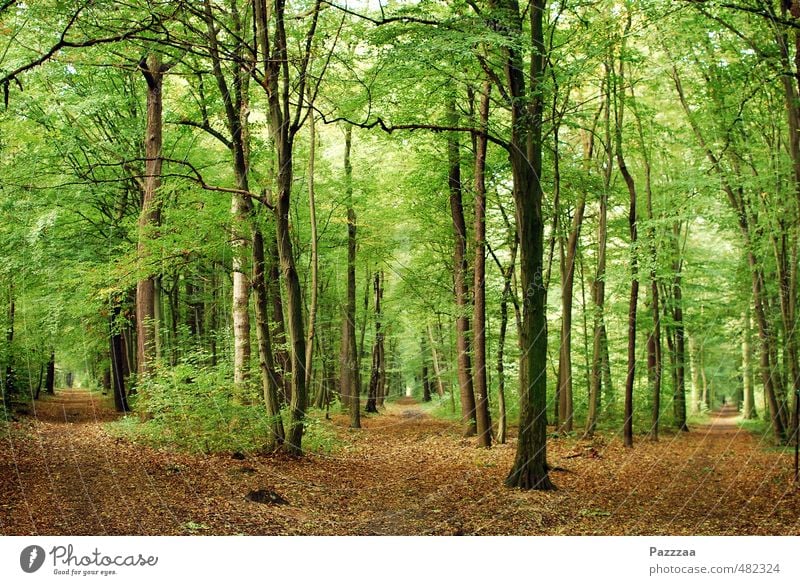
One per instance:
(195, 408)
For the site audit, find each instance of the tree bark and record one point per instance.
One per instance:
(567, 290)
(599, 344)
(749, 407)
(348, 365)
(460, 270)
(150, 215)
(530, 469)
(312, 208)
(378, 365)
(50, 374)
(679, 397)
(437, 370)
(482, 416)
(117, 360)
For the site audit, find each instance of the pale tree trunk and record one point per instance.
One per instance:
(241, 293)
(749, 407)
(696, 390)
(437, 370)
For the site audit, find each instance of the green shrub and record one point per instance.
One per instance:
(195, 408)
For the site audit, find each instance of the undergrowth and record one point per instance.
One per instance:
(195, 408)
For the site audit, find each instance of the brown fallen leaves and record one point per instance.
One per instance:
(403, 473)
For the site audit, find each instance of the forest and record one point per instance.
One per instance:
(401, 267)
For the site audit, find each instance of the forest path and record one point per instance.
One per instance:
(74, 405)
(724, 420)
(404, 472)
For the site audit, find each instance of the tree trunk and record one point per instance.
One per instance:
(437, 370)
(117, 360)
(460, 270)
(282, 361)
(348, 363)
(749, 408)
(50, 374)
(150, 216)
(482, 416)
(312, 207)
(530, 469)
(599, 344)
(269, 381)
(679, 398)
(377, 350)
(634, 295)
(567, 290)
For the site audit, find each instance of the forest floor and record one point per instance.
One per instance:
(405, 472)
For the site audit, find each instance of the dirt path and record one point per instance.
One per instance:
(404, 473)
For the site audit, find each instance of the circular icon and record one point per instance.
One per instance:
(31, 558)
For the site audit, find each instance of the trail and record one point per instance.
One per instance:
(405, 472)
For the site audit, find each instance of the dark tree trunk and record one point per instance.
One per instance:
(50, 376)
(634, 296)
(117, 360)
(530, 469)
(679, 398)
(269, 382)
(378, 365)
(460, 270)
(599, 345)
(350, 375)
(482, 417)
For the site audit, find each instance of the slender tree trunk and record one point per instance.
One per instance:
(749, 408)
(567, 290)
(348, 364)
(632, 219)
(312, 311)
(50, 374)
(117, 360)
(599, 343)
(377, 350)
(282, 360)
(483, 419)
(679, 398)
(437, 370)
(460, 270)
(269, 381)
